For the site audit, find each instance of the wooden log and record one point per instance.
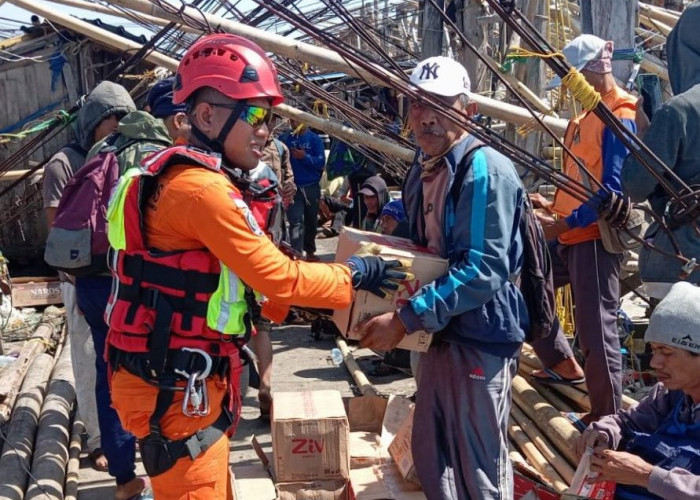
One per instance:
(558, 429)
(16, 458)
(70, 491)
(365, 386)
(53, 435)
(12, 381)
(543, 445)
(534, 457)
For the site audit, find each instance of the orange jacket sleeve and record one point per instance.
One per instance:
(214, 214)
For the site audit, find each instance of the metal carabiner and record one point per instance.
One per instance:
(195, 402)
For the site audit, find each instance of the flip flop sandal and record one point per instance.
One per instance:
(554, 378)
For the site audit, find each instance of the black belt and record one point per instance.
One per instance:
(138, 363)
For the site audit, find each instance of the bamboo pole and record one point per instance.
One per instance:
(662, 28)
(329, 126)
(534, 457)
(366, 387)
(653, 64)
(95, 7)
(13, 175)
(557, 428)
(12, 379)
(547, 393)
(327, 59)
(70, 490)
(543, 445)
(16, 457)
(662, 15)
(53, 435)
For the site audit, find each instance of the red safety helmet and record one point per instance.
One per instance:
(233, 65)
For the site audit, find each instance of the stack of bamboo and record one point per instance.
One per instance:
(40, 437)
(542, 436)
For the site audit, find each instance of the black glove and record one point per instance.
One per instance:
(376, 275)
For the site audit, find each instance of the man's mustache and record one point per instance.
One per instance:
(432, 130)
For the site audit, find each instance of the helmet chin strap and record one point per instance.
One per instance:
(217, 145)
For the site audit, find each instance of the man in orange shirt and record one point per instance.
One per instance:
(578, 254)
(185, 246)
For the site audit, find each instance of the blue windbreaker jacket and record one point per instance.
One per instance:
(476, 302)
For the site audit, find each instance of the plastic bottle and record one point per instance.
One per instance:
(336, 357)
(147, 494)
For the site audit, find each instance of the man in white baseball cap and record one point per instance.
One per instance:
(464, 201)
(658, 441)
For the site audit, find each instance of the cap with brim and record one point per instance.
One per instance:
(579, 52)
(441, 76)
(367, 192)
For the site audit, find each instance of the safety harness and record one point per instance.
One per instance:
(173, 316)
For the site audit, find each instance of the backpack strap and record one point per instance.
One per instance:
(462, 169)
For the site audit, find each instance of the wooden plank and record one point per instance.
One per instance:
(28, 292)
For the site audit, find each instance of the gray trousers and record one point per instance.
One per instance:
(594, 275)
(82, 354)
(460, 437)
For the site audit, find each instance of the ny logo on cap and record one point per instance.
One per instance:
(429, 71)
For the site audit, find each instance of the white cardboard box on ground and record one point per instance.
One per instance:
(426, 266)
(366, 449)
(251, 482)
(310, 435)
(400, 450)
(382, 482)
(322, 489)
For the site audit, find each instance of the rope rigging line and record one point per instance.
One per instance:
(521, 25)
(618, 208)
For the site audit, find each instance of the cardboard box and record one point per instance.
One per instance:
(400, 450)
(426, 267)
(381, 482)
(580, 486)
(326, 489)
(365, 450)
(251, 482)
(36, 292)
(310, 435)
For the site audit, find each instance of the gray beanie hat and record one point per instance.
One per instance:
(676, 320)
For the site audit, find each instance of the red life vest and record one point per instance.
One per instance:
(160, 299)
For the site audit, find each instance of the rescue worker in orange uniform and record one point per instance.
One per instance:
(185, 245)
(579, 256)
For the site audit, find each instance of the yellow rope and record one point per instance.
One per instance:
(581, 89)
(320, 108)
(521, 52)
(565, 310)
